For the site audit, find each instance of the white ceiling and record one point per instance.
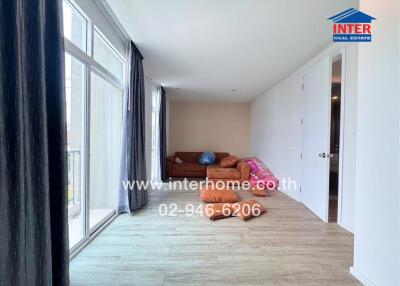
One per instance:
(203, 49)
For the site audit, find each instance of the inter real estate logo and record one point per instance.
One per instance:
(352, 26)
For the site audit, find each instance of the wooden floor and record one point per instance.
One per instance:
(286, 246)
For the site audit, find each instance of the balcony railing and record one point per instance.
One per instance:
(74, 181)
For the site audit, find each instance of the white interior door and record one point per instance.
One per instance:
(315, 134)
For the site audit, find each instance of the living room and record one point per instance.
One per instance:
(207, 126)
(199, 142)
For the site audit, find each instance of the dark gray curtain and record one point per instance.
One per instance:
(133, 158)
(33, 203)
(163, 135)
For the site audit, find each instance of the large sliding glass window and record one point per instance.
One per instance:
(107, 56)
(75, 87)
(105, 147)
(94, 73)
(155, 134)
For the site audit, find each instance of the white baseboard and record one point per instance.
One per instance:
(293, 195)
(346, 227)
(360, 277)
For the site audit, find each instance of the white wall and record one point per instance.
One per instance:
(212, 126)
(349, 137)
(377, 219)
(275, 129)
(275, 135)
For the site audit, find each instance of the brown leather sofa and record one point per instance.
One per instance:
(190, 168)
(236, 175)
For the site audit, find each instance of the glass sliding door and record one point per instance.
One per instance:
(75, 89)
(94, 84)
(105, 148)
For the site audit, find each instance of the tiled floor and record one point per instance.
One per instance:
(286, 246)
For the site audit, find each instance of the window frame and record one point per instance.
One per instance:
(75, 6)
(87, 59)
(111, 46)
(88, 56)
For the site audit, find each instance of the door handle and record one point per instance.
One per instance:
(325, 155)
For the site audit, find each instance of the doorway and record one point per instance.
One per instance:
(322, 137)
(335, 138)
(315, 122)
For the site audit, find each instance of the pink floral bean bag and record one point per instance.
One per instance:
(260, 175)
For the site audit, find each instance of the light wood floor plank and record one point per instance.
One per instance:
(288, 245)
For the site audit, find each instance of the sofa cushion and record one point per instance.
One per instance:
(229, 161)
(220, 156)
(188, 167)
(216, 172)
(259, 192)
(247, 209)
(214, 195)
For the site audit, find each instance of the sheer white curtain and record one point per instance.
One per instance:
(155, 134)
